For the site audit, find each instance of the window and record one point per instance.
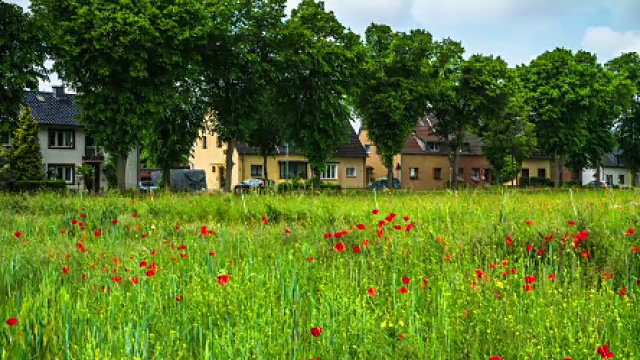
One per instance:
(64, 172)
(609, 179)
(5, 138)
(218, 141)
(620, 179)
(475, 174)
(62, 139)
(351, 172)
(205, 142)
(437, 174)
(413, 173)
(432, 146)
(331, 173)
(461, 174)
(256, 170)
(618, 160)
(293, 170)
(368, 148)
(525, 173)
(466, 148)
(542, 173)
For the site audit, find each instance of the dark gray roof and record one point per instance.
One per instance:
(48, 110)
(352, 148)
(613, 160)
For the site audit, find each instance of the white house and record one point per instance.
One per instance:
(612, 172)
(65, 145)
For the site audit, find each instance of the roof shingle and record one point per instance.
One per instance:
(48, 110)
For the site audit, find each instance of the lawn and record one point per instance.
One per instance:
(468, 275)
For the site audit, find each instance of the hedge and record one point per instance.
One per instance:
(43, 185)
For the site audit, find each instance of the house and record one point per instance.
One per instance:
(346, 168)
(64, 143)
(376, 168)
(612, 171)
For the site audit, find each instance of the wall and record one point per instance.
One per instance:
(375, 161)
(589, 175)
(211, 160)
(470, 162)
(426, 165)
(62, 156)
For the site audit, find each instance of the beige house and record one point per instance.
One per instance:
(346, 168)
(376, 168)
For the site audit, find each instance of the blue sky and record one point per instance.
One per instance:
(517, 30)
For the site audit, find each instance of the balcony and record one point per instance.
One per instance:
(93, 154)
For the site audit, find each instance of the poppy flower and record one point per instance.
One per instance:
(66, 270)
(153, 252)
(338, 235)
(179, 298)
(183, 247)
(212, 253)
(365, 242)
(287, 231)
(425, 282)
(81, 247)
(623, 292)
(223, 280)
(530, 248)
(410, 227)
(406, 280)
(528, 288)
(98, 233)
(204, 230)
(492, 266)
(265, 220)
(178, 227)
(134, 215)
(530, 279)
(529, 222)
(572, 223)
(63, 232)
(541, 252)
(328, 235)
(514, 271)
(145, 235)
(403, 290)
(12, 322)
(406, 219)
(631, 231)
(185, 255)
(340, 247)
(151, 273)
(479, 274)
(582, 235)
(605, 352)
(114, 222)
(361, 226)
(117, 279)
(316, 331)
(548, 238)
(81, 223)
(83, 215)
(553, 277)
(357, 249)
(310, 259)
(135, 280)
(509, 241)
(401, 337)
(74, 222)
(18, 234)
(380, 233)
(495, 357)
(372, 291)
(375, 211)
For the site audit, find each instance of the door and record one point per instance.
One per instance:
(97, 174)
(221, 179)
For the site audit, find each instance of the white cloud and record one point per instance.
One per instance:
(608, 43)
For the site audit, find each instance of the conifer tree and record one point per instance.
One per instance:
(27, 157)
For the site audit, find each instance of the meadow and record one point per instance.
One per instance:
(467, 275)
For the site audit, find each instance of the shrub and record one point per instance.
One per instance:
(39, 185)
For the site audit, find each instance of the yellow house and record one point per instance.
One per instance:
(346, 168)
(375, 167)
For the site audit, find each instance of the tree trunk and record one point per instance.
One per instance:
(166, 177)
(498, 177)
(121, 172)
(390, 173)
(598, 172)
(316, 178)
(558, 174)
(456, 165)
(231, 148)
(265, 171)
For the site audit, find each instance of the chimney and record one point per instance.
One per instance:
(58, 92)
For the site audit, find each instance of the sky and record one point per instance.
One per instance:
(516, 30)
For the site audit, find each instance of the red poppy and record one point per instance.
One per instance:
(151, 273)
(145, 235)
(514, 271)
(117, 279)
(631, 231)
(12, 322)
(81, 247)
(185, 255)
(505, 274)
(380, 233)
(541, 252)
(638, 282)
(153, 252)
(365, 242)
(63, 232)
(623, 291)
(18, 234)
(401, 337)
(81, 223)
(183, 247)
(479, 274)
(204, 230)
(98, 233)
(605, 352)
(114, 222)
(398, 227)
(548, 238)
(178, 227)
(135, 280)
(553, 277)
(66, 270)
(403, 290)
(529, 222)
(509, 241)
(310, 259)
(265, 220)
(179, 298)
(582, 236)
(83, 215)
(316, 331)
(212, 253)
(134, 215)
(375, 212)
(530, 279)
(528, 288)
(572, 223)
(406, 280)
(586, 254)
(410, 227)
(382, 223)
(372, 291)
(357, 249)
(492, 266)
(338, 235)
(153, 266)
(74, 222)
(406, 218)
(340, 247)
(496, 357)
(287, 231)
(530, 248)
(224, 280)
(328, 235)
(361, 226)
(425, 282)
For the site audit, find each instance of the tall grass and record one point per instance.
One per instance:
(276, 295)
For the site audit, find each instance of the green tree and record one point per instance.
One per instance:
(466, 94)
(323, 63)
(22, 55)
(123, 58)
(394, 88)
(628, 126)
(26, 154)
(559, 90)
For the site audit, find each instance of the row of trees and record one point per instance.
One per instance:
(158, 73)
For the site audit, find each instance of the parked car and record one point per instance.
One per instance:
(148, 186)
(597, 184)
(382, 184)
(253, 184)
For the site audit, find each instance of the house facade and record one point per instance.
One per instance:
(64, 143)
(346, 168)
(613, 172)
(376, 168)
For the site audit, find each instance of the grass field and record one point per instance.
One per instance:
(548, 275)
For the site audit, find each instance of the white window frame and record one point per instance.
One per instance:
(368, 148)
(330, 173)
(60, 138)
(354, 171)
(413, 173)
(69, 178)
(432, 146)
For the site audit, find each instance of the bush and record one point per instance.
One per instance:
(300, 185)
(536, 182)
(39, 185)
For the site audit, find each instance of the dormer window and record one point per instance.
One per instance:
(466, 148)
(432, 146)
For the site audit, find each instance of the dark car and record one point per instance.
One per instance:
(382, 184)
(252, 184)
